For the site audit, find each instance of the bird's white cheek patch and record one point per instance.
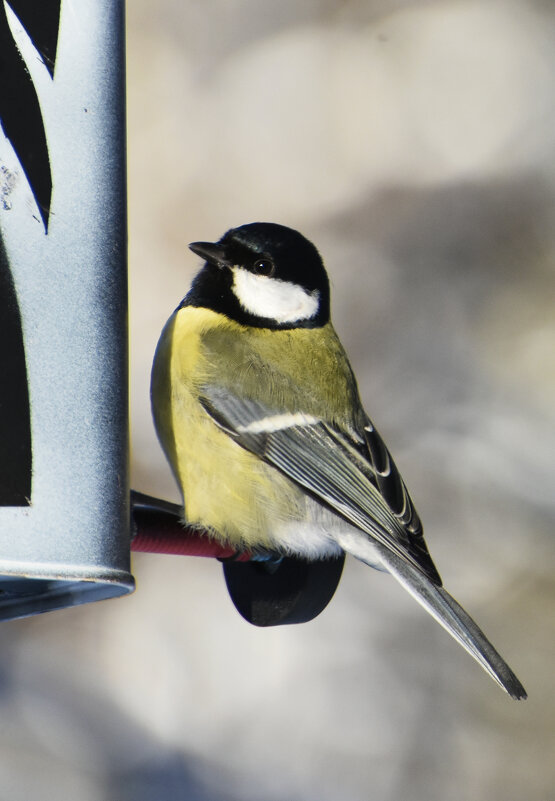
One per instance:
(277, 300)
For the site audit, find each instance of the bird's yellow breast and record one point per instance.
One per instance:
(226, 489)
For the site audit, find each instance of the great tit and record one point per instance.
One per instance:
(258, 411)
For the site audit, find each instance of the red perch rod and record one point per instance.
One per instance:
(157, 529)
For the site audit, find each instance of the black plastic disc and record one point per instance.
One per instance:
(294, 591)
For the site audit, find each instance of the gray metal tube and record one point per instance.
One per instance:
(64, 492)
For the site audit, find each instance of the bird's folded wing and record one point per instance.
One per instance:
(319, 458)
(328, 465)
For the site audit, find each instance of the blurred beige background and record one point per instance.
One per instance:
(413, 143)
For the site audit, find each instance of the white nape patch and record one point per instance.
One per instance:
(277, 300)
(277, 422)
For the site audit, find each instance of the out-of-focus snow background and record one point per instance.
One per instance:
(413, 142)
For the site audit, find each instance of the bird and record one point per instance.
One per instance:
(258, 411)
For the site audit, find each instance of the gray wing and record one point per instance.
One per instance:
(356, 478)
(353, 475)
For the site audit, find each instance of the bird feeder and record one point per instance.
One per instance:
(64, 509)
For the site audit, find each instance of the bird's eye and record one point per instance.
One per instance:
(263, 267)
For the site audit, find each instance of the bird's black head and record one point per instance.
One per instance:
(263, 275)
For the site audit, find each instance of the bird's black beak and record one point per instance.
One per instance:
(212, 252)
